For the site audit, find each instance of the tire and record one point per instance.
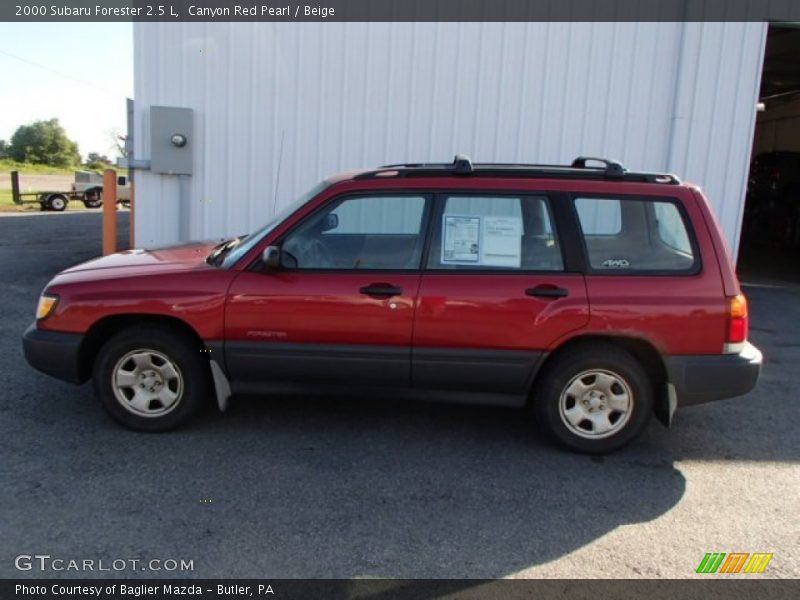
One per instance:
(57, 202)
(93, 198)
(595, 398)
(150, 378)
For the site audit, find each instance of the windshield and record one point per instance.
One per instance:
(228, 253)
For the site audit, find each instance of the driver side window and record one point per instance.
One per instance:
(360, 232)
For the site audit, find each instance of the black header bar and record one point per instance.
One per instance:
(709, 588)
(399, 10)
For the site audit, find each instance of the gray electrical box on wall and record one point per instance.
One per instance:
(171, 140)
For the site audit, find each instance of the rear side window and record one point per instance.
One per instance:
(599, 216)
(646, 235)
(495, 233)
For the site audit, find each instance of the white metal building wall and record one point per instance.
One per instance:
(317, 98)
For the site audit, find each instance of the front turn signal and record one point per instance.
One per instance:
(47, 303)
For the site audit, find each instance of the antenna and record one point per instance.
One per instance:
(278, 175)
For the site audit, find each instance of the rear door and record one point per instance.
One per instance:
(341, 308)
(495, 293)
(644, 271)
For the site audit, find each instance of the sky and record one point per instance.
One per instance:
(80, 73)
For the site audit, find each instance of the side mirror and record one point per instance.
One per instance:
(331, 222)
(271, 257)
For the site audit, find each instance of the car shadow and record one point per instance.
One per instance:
(314, 488)
(416, 490)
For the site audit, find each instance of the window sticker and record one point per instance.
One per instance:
(461, 240)
(501, 242)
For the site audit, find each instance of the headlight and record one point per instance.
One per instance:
(47, 302)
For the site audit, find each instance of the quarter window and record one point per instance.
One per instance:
(495, 233)
(671, 229)
(635, 235)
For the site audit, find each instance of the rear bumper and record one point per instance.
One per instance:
(53, 353)
(699, 379)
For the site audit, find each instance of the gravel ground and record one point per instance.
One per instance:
(305, 487)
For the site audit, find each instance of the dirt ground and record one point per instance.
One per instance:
(35, 182)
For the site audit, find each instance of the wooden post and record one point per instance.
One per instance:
(109, 211)
(15, 187)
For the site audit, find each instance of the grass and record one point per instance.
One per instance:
(8, 165)
(7, 203)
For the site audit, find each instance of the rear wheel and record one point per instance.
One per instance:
(93, 198)
(150, 379)
(594, 399)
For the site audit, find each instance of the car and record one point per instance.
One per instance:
(772, 207)
(594, 296)
(88, 186)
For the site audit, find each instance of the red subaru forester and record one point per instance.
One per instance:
(594, 295)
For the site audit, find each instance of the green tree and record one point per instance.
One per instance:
(3, 149)
(45, 143)
(97, 162)
(96, 157)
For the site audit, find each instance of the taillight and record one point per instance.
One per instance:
(738, 321)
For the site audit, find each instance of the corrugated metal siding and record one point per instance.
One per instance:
(719, 72)
(317, 98)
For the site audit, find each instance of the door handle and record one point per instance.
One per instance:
(384, 290)
(546, 291)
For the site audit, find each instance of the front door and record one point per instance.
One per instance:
(494, 296)
(341, 309)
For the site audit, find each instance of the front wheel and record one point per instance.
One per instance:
(594, 399)
(150, 379)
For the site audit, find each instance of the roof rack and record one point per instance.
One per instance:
(579, 169)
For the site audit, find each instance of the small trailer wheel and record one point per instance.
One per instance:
(57, 202)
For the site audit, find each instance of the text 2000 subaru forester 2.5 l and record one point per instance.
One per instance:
(594, 295)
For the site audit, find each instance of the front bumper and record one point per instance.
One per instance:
(54, 353)
(699, 379)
